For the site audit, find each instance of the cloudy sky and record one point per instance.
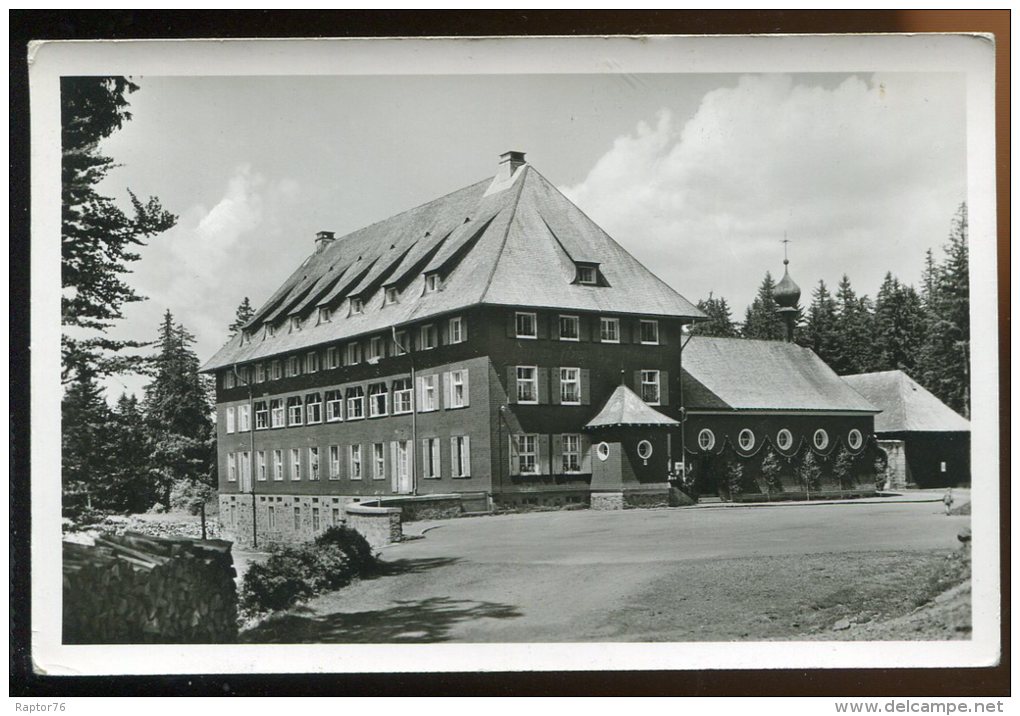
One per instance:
(699, 176)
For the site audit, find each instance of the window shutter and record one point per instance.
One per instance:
(447, 387)
(557, 454)
(425, 459)
(585, 386)
(419, 392)
(585, 453)
(555, 392)
(342, 463)
(394, 479)
(541, 325)
(467, 451)
(663, 388)
(511, 384)
(543, 386)
(467, 391)
(454, 466)
(511, 324)
(542, 443)
(512, 452)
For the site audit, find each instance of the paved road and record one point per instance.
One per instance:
(557, 576)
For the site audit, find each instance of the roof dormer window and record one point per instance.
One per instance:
(432, 283)
(295, 323)
(270, 330)
(325, 315)
(357, 306)
(587, 274)
(391, 295)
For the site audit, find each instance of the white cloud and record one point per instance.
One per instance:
(863, 177)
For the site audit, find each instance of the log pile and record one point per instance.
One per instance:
(133, 588)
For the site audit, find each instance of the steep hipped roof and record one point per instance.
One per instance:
(508, 242)
(741, 374)
(906, 405)
(625, 407)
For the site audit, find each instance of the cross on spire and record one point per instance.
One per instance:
(786, 259)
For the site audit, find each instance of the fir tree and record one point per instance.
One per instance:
(241, 318)
(762, 318)
(177, 412)
(810, 471)
(771, 472)
(98, 239)
(720, 319)
(129, 485)
(819, 332)
(845, 468)
(898, 325)
(853, 350)
(85, 443)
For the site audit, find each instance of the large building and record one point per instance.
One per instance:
(461, 347)
(928, 444)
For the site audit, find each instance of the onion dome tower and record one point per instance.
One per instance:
(786, 295)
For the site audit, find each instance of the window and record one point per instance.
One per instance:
(352, 354)
(458, 389)
(570, 386)
(355, 403)
(272, 517)
(375, 348)
(527, 384)
(527, 325)
(706, 439)
(313, 463)
(244, 459)
(430, 455)
(335, 516)
(260, 372)
(295, 464)
(391, 295)
(378, 461)
(295, 323)
(294, 410)
(312, 362)
(260, 465)
(854, 439)
(277, 465)
(460, 455)
(587, 275)
(275, 370)
(332, 358)
(526, 449)
(650, 386)
(334, 406)
(609, 330)
(644, 450)
(292, 367)
(427, 339)
(784, 439)
(276, 413)
(231, 467)
(571, 453)
(231, 420)
(457, 332)
(401, 346)
(821, 439)
(378, 400)
(315, 519)
(325, 315)
(243, 418)
(297, 517)
(746, 439)
(432, 283)
(402, 396)
(261, 415)
(270, 329)
(428, 389)
(334, 462)
(228, 379)
(650, 332)
(357, 306)
(313, 408)
(355, 462)
(570, 328)
(602, 450)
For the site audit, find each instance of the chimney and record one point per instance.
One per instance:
(323, 239)
(509, 162)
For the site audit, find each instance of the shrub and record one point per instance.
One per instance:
(734, 477)
(771, 472)
(845, 468)
(292, 574)
(810, 471)
(189, 495)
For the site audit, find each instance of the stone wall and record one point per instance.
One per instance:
(380, 526)
(607, 500)
(897, 474)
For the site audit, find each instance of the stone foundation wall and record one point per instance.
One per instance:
(380, 526)
(897, 475)
(607, 501)
(281, 519)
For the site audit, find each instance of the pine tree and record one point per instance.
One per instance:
(98, 239)
(819, 332)
(844, 467)
(762, 318)
(771, 472)
(810, 471)
(85, 443)
(720, 319)
(898, 325)
(177, 412)
(129, 485)
(241, 318)
(853, 350)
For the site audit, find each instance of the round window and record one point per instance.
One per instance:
(644, 449)
(706, 439)
(854, 439)
(746, 439)
(602, 450)
(821, 439)
(784, 439)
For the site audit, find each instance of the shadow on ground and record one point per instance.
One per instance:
(408, 622)
(392, 568)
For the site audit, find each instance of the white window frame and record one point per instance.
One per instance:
(245, 469)
(567, 379)
(820, 432)
(357, 306)
(609, 325)
(854, 436)
(354, 462)
(401, 346)
(576, 321)
(459, 379)
(335, 406)
(460, 456)
(581, 276)
(432, 465)
(278, 465)
(645, 382)
(316, 521)
(243, 418)
(378, 461)
(262, 415)
(277, 413)
(518, 315)
(432, 282)
(641, 332)
(391, 295)
(456, 329)
(746, 436)
(231, 467)
(231, 420)
(228, 379)
(334, 462)
(295, 464)
(356, 400)
(428, 393)
(784, 439)
(403, 398)
(260, 372)
(352, 353)
(531, 440)
(292, 368)
(295, 410)
(297, 517)
(313, 408)
(708, 444)
(272, 517)
(260, 465)
(574, 452)
(313, 463)
(332, 358)
(325, 314)
(428, 337)
(375, 349)
(275, 370)
(312, 362)
(533, 381)
(374, 410)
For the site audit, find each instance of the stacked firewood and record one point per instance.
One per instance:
(133, 588)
